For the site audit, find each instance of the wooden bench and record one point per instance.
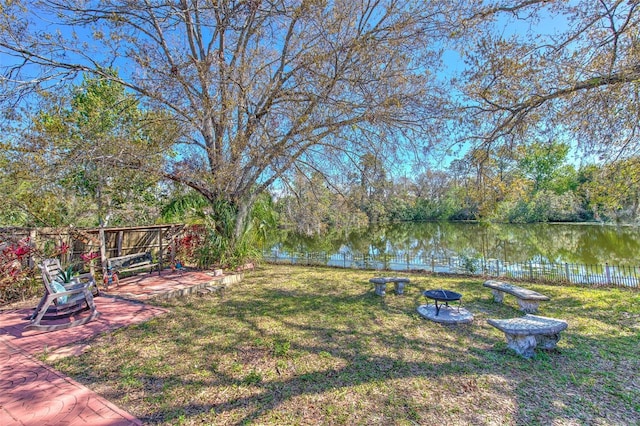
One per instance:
(526, 333)
(380, 284)
(130, 263)
(528, 300)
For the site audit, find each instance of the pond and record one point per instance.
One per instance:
(588, 244)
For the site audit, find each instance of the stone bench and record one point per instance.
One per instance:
(526, 333)
(528, 300)
(380, 284)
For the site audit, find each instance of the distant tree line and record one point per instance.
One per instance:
(534, 183)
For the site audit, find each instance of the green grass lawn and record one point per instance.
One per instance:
(296, 345)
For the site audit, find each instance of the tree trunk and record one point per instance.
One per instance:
(103, 250)
(242, 216)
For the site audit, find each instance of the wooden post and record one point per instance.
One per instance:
(161, 254)
(173, 246)
(119, 243)
(33, 234)
(103, 254)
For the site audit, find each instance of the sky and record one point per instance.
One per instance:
(506, 26)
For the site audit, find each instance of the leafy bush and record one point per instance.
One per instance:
(545, 206)
(470, 264)
(213, 243)
(16, 277)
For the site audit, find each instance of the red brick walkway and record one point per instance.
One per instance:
(31, 393)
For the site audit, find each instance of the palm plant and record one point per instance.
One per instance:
(218, 246)
(66, 274)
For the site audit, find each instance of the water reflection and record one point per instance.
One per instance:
(554, 243)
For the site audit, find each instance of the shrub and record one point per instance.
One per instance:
(16, 277)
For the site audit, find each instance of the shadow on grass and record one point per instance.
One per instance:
(275, 343)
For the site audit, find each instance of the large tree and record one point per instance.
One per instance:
(65, 169)
(82, 140)
(553, 69)
(257, 86)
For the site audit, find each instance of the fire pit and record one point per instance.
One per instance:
(445, 296)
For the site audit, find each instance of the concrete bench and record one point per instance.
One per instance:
(528, 300)
(526, 333)
(380, 284)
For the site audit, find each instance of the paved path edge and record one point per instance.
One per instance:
(117, 416)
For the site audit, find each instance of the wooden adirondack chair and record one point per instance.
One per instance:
(62, 301)
(53, 269)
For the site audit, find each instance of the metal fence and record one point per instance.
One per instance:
(593, 275)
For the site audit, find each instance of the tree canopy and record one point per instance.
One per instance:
(256, 87)
(553, 69)
(77, 163)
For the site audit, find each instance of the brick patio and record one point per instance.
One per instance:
(31, 393)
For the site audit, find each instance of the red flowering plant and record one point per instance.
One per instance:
(61, 251)
(88, 257)
(188, 245)
(15, 273)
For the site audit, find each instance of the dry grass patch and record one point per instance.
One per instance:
(295, 345)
